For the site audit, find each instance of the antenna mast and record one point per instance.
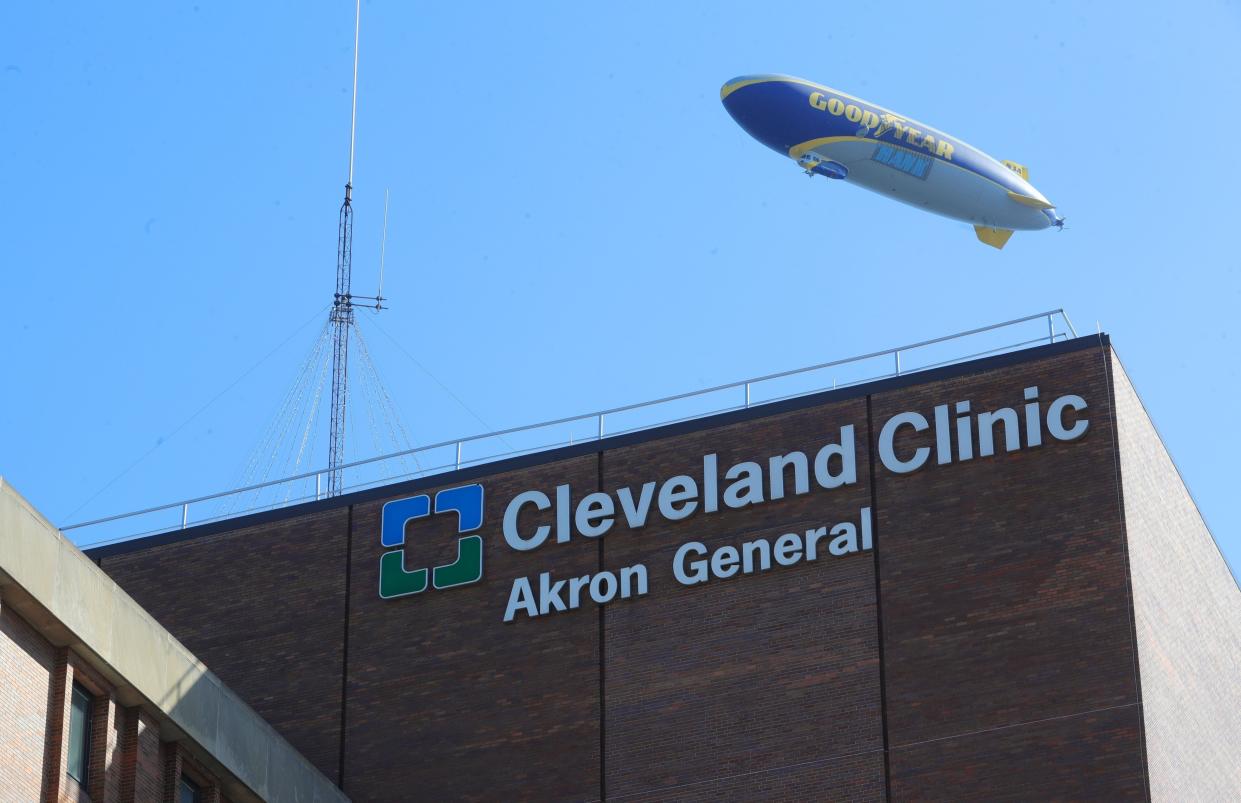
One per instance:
(341, 316)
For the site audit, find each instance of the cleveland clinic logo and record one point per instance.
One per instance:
(395, 578)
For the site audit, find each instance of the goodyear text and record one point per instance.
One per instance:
(877, 125)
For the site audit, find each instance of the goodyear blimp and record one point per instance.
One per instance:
(832, 134)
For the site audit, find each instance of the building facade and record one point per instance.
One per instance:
(99, 703)
(982, 581)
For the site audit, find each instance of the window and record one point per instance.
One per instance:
(189, 792)
(80, 711)
(903, 160)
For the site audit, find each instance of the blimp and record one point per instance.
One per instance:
(841, 137)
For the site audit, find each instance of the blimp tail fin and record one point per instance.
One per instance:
(1019, 169)
(1028, 200)
(996, 238)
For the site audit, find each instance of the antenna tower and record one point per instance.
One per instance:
(341, 316)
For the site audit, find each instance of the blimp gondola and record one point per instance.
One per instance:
(843, 138)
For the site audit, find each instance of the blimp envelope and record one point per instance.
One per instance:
(844, 138)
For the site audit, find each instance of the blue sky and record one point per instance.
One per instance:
(576, 223)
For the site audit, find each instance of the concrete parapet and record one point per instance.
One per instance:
(74, 603)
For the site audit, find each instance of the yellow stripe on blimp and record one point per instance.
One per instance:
(800, 150)
(730, 88)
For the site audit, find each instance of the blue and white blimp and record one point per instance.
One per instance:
(829, 133)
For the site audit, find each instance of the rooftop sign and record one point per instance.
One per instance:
(556, 516)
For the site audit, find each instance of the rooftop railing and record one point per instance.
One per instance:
(450, 455)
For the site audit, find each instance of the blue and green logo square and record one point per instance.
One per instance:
(395, 578)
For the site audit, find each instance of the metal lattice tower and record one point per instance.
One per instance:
(341, 318)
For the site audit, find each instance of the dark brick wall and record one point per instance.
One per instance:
(856, 778)
(724, 689)
(1001, 666)
(448, 702)
(1090, 756)
(264, 608)
(1004, 587)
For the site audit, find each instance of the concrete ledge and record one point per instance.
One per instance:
(76, 604)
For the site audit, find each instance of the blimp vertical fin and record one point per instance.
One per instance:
(1019, 169)
(996, 238)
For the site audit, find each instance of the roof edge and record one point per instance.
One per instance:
(762, 410)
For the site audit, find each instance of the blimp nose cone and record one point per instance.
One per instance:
(736, 83)
(742, 99)
(766, 107)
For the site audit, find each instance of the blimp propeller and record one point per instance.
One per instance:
(832, 134)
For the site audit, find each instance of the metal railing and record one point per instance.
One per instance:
(633, 417)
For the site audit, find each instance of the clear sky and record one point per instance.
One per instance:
(576, 222)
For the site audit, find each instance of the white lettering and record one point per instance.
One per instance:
(628, 575)
(1055, 418)
(812, 541)
(759, 548)
(710, 484)
(520, 598)
(986, 434)
(846, 451)
(1034, 423)
(549, 594)
(788, 549)
(965, 432)
(748, 488)
(597, 585)
(595, 506)
(514, 538)
(635, 515)
(564, 502)
(943, 436)
(694, 564)
(887, 453)
(845, 540)
(833, 465)
(801, 471)
(680, 490)
(698, 568)
(575, 589)
(603, 587)
(724, 562)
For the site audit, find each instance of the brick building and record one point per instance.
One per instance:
(99, 703)
(981, 581)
